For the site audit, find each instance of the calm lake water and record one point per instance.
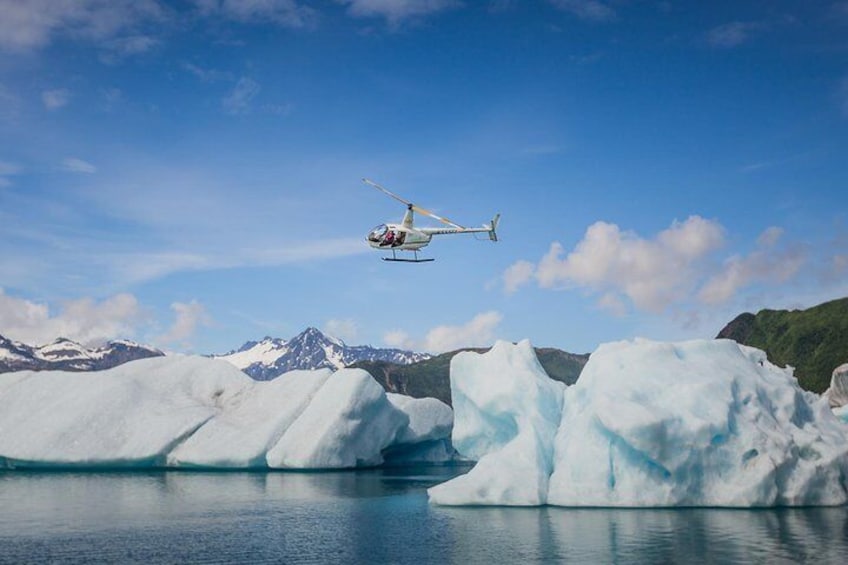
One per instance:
(374, 516)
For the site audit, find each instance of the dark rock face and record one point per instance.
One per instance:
(739, 329)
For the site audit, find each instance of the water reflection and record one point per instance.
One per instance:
(375, 516)
(649, 535)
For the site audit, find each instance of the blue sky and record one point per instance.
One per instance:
(187, 174)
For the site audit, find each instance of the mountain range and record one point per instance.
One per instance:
(66, 355)
(311, 349)
(814, 341)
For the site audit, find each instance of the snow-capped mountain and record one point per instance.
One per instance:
(263, 360)
(66, 355)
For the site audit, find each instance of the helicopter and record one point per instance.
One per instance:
(405, 237)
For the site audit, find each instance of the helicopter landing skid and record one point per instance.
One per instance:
(394, 258)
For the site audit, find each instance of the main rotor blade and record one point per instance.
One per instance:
(421, 210)
(387, 191)
(414, 207)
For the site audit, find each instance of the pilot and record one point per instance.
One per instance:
(389, 238)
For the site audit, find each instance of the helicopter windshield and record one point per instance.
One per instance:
(378, 233)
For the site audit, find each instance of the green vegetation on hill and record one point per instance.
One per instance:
(432, 377)
(814, 341)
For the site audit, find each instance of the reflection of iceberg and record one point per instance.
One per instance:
(198, 412)
(641, 535)
(700, 423)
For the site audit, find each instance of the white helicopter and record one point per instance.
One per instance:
(405, 237)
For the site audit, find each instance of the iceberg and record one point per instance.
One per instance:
(240, 436)
(195, 412)
(348, 424)
(507, 411)
(697, 423)
(837, 393)
(426, 438)
(132, 415)
(429, 418)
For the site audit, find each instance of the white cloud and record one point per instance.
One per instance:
(766, 264)
(7, 170)
(84, 320)
(286, 13)
(344, 329)
(132, 45)
(652, 273)
(74, 165)
(839, 264)
(240, 97)
(131, 268)
(397, 11)
(478, 332)
(589, 10)
(399, 339)
(55, 99)
(770, 236)
(732, 34)
(613, 303)
(188, 317)
(32, 24)
(517, 275)
(207, 75)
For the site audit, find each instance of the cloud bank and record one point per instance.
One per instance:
(85, 320)
(33, 24)
(676, 266)
(480, 331)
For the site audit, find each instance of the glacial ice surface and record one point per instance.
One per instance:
(507, 411)
(183, 411)
(698, 423)
(837, 393)
(347, 424)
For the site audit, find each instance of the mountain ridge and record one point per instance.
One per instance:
(813, 340)
(310, 349)
(431, 377)
(67, 355)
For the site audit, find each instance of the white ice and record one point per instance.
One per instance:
(241, 435)
(699, 423)
(837, 394)
(131, 415)
(506, 415)
(426, 439)
(198, 412)
(348, 424)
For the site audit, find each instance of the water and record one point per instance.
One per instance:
(374, 516)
